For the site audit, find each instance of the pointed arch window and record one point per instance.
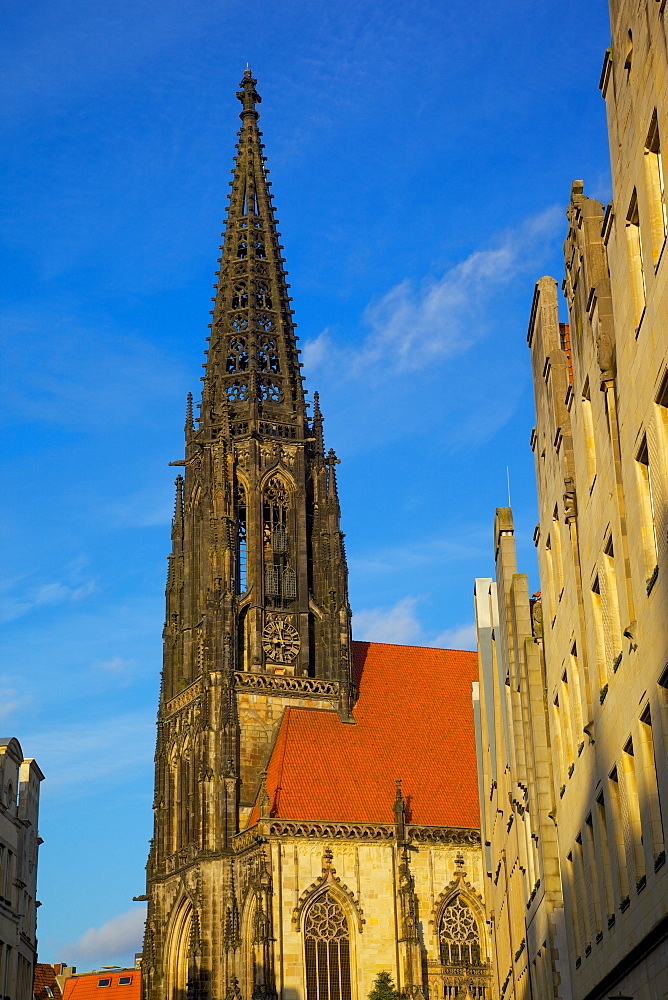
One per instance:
(267, 355)
(263, 296)
(459, 934)
(239, 296)
(237, 357)
(279, 587)
(327, 950)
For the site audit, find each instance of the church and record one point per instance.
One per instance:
(316, 803)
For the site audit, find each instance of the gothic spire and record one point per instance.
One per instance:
(252, 365)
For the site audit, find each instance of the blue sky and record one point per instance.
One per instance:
(421, 156)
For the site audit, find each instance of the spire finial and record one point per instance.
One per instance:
(248, 95)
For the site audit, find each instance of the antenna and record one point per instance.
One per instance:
(508, 478)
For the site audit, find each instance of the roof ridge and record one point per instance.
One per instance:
(403, 645)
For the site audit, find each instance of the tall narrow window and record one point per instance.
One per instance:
(279, 584)
(582, 890)
(647, 512)
(560, 743)
(327, 950)
(459, 934)
(588, 428)
(635, 257)
(568, 719)
(578, 699)
(558, 557)
(646, 768)
(609, 873)
(618, 833)
(551, 584)
(610, 608)
(599, 634)
(241, 518)
(593, 876)
(635, 856)
(656, 188)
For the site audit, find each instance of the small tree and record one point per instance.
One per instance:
(383, 988)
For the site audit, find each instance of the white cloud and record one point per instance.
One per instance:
(396, 624)
(115, 665)
(411, 326)
(40, 595)
(119, 937)
(457, 637)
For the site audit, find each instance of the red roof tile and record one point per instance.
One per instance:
(87, 986)
(413, 720)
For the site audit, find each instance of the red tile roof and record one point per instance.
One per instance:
(87, 986)
(45, 984)
(413, 720)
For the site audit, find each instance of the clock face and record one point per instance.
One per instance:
(280, 640)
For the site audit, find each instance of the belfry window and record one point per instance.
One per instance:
(459, 935)
(263, 297)
(279, 578)
(327, 950)
(237, 357)
(267, 355)
(239, 296)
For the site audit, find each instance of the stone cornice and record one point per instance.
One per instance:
(287, 685)
(284, 829)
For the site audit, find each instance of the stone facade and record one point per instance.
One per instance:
(245, 901)
(19, 843)
(523, 886)
(601, 452)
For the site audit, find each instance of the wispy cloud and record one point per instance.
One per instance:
(28, 597)
(462, 543)
(10, 701)
(458, 637)
(396, 624)
(413, 325)
(400, 624)
(103, 750)
(114, 941)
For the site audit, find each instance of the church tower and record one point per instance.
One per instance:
(257, 614)
(288, 861)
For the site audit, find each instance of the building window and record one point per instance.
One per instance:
(459, 935)
(656, 188)
(327, 950)
(635, 257)
(647, 513)
(104, 982)
(125, 980)
(590, 441)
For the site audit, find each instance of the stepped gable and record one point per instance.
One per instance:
(413, 720)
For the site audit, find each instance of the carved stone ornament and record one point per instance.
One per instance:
(328, 880)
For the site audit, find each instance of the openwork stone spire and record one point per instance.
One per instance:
(252, 369)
